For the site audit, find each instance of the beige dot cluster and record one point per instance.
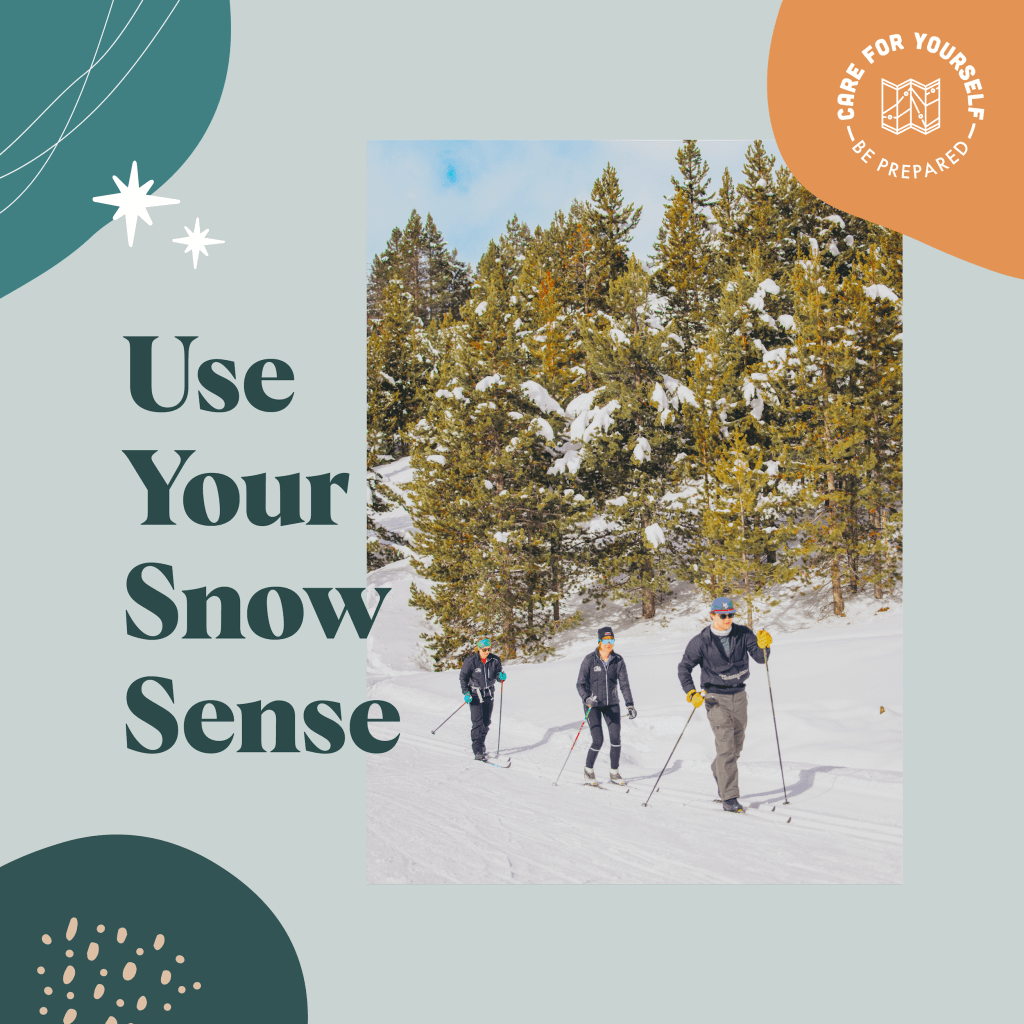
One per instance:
(128, 971)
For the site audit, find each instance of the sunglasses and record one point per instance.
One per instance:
(608, 640)
(725, 615)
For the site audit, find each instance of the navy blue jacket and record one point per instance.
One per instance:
(719, 672)
(600, 679)
(479, 675)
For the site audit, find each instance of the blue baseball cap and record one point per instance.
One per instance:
(722, 604)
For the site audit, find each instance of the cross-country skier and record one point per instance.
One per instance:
(601, 673)
(722, 651)
(479, 673)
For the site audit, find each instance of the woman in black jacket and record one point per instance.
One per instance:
(601, 674)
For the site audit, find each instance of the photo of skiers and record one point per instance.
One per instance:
(654, 419)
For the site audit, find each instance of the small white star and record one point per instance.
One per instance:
(197, 242)
(132, 201)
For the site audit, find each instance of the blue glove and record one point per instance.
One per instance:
(468, 698)
(502, 677)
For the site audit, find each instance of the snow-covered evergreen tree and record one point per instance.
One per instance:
(745, 523)
(488, 521)
(621, 449)
(811, 385)
(575, 432)
(610, 222)
(685, 271)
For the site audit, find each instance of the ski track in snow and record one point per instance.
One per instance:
(436, 816)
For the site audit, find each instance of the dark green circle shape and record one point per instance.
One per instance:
(232, 942)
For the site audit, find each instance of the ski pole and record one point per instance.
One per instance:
(452, 715)
(501, 699)
(662, 772)
(776, 724)
(567, 756)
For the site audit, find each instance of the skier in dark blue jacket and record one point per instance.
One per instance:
(602, 673)
(722, 650)
(480, 671)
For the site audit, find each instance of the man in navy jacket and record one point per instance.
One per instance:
(722, 650)
(602, 675)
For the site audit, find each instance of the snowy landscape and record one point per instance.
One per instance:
(434, 815)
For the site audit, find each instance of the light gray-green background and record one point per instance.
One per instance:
(281, 176)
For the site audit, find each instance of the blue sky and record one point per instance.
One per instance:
(473, 188)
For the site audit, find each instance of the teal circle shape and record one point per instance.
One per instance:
(88, 87)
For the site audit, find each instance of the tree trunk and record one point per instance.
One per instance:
(879, 592)
(647, 602)
(554, 585)
(746, 571)
(838, 607)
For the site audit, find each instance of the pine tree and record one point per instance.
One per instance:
(437, 282)
(728, 224)
(625, 449)
(761, 222)
(872, 295)
(745, 523)
(721, 397)
(396, 372)
(694, 176)
(684, 253)
(610, 223)
(487, 519)
(811, 385)
(382, 545)
(685, 270)
(446, 278)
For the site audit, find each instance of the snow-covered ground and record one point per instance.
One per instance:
(435, 815)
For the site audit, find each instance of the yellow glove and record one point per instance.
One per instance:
(764, 638)
(695, 697)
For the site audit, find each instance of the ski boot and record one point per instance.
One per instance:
(589, 778)
(482, 756)
(732, 804)
(615, 777)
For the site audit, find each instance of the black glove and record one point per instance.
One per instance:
(631, 710)
(590, 702)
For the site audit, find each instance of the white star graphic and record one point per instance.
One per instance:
(197, 242)
(132, 201)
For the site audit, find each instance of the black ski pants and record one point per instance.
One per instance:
(597, 734)
(480, 712)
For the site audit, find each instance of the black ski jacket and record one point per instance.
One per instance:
(720, 672)
(478, 677)
(600, 679)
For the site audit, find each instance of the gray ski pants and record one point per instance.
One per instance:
(727, 715)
